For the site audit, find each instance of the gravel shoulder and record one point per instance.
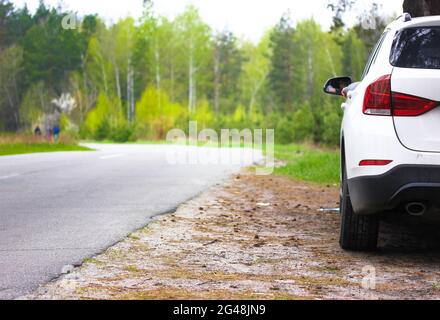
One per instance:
(257, 238)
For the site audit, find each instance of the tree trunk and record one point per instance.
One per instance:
(158, 76)
(133, 105)
(157, 61)
(172, 76)
(421, 8)
(104, 78)
(191, 84)
(217, 76)
(86, 94)
(129, 91)
(118, 80)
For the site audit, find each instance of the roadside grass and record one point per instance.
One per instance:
(309, 163)
(24, 144)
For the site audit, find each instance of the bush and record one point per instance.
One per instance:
(156, 114)
(303, 124)
(284, 133)
(331, 125)
(122, 134)
(106, 120)
(103, 131)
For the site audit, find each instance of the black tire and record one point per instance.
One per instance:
(358, 233)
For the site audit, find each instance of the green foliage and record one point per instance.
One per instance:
(285, 131)
(303, 124)
(354, 55)
(105, 120)
(122, 133)
(254, 74)
(203, 115)
(283, 71)
(155, 114)
(51, 51)
(32, 108)
(331, 128)
(227, 62)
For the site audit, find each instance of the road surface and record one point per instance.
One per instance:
(57, 209)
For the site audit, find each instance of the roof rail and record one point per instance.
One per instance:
(406, 17)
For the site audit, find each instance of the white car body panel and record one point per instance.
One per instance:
(421, 133)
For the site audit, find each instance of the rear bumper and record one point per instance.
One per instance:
(392, 190)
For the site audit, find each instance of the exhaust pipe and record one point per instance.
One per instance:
(416, 209)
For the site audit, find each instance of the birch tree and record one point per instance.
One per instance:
(11, 66)
(195, 45)
(254, 73)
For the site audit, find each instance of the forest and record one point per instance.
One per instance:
(137, 79)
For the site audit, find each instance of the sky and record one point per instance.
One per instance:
(246, 18)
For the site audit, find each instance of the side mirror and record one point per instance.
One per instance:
(336, 85)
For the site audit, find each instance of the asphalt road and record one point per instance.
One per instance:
(57, 209)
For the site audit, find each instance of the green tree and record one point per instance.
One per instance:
(195, 45)
(50, 51)
(331, 119)
(254, 75)
(11, 67)
(106, 119)
(282, 71)
(156, 114)
(227, 63)
(318, 57)
(303, 124)
(33, 105)
(354, 55)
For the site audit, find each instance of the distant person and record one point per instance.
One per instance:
(49, 133)
(37, 131)
(56, 133)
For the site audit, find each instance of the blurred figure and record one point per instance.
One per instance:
(56, 133)
(37, 131)
(49, 133)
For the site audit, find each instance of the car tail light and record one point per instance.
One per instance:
(381, 101)
(377, 163)
(377, 101)
(410, 106)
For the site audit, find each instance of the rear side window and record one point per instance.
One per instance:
(374, 54)
(417, 48)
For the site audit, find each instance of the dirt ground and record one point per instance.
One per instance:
(257, 238)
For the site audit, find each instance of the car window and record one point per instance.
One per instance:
(417, 48)
(374, 54)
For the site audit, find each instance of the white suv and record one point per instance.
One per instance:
(390, 138)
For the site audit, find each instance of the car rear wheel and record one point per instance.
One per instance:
(358, 233)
